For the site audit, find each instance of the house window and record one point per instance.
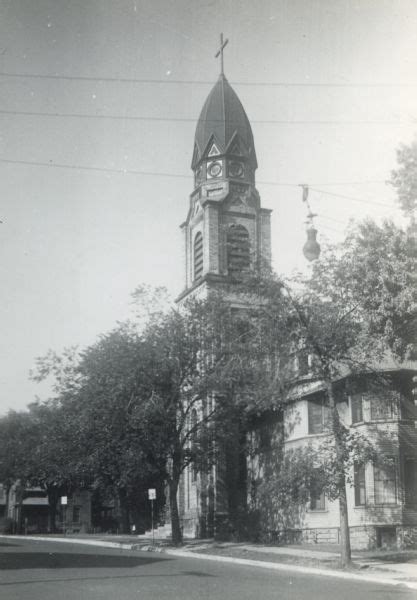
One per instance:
(408, 408)
(318, 501)
(318, 416)
(385, 484)
(359, 484)
(372, 408)
(238, 249)
(410, 481)
(198, 256)
(317, 496)
(76, 513)
(356, 402)
(303, 366)
(382, 408)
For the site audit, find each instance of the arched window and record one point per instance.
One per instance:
(198, 256)
(238, 249)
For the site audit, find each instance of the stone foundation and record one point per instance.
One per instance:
(407, 536)
(363, 537)
(328, 535)
(367, 537)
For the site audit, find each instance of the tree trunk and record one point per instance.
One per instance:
(53, 497)
(52, 515)
(175, 517)
(7, 493)
(345, 550)
(124, 509)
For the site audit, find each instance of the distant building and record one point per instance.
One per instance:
(30, 511)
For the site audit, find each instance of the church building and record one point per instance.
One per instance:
(227, 230)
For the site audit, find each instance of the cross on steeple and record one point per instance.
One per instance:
(223, 44)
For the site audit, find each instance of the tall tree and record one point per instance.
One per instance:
(201, 367)
(98, 396)
(15, 431)
(54, 452)
(37, 448)
(404, 179)
(374, 273)
(357, 305)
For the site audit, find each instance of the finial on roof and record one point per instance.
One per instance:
(223, 44)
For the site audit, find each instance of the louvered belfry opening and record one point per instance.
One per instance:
(198, 256)
(238, 249)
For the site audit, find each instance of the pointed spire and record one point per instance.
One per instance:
(223, 120)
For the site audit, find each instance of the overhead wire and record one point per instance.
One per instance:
(163, 174)
(116, 79)
(331, 228)
(194, 119)
(346, 197)
(327, 218)
(363, 182)
(123, 171)
(91, 168)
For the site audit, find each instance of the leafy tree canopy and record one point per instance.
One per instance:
(404, 178)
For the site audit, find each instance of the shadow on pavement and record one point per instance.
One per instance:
(50, 560)
(55, 580)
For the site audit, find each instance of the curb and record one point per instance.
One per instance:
(68, 540)
(86, 542)
(294, 568)
(227, 559)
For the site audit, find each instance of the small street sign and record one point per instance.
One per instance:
(64, 500)
(152, 497)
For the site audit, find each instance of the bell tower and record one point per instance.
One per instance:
(226, 230)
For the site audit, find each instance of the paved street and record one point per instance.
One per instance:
(49, 570)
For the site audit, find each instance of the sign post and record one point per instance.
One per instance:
(152, 497)
(64, 502)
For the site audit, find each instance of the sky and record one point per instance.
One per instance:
(98, 106)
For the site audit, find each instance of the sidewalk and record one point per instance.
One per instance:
(384, 567)
(394, 564)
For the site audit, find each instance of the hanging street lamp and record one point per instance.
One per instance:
(311, 248)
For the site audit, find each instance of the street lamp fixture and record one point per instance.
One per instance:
(311, 248)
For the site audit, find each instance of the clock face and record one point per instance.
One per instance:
(235, 169)
(214, 169)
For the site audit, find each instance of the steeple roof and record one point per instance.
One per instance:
(222, 119)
